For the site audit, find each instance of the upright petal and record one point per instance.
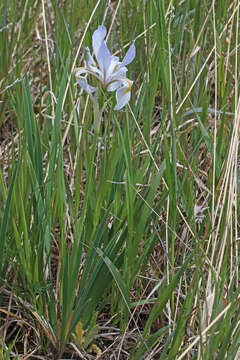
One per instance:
(104, 58)
(100, 49)
(130, 55)
(98, 37)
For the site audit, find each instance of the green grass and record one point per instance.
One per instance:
(119, 230)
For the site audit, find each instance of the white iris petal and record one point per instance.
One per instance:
(97, 39)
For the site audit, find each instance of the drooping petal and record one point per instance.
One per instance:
(82, 81)
(123, 95)
(100, 49)
(122, 98)
(130, 55)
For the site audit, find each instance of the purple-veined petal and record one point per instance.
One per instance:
(130, 55)
(123, 94)
(82, 81)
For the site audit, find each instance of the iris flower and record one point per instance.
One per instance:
(107, 69)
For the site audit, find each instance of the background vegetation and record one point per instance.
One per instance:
(121, 244)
